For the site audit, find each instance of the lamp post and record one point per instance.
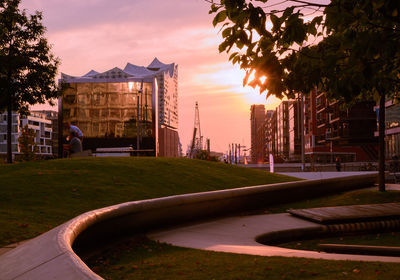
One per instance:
(300, 116)
(138, 111)
(138, 119)
(302, 131)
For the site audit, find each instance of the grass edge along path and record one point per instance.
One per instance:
(140, 258)
(37, 196)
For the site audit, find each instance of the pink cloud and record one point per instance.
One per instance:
(103, 34)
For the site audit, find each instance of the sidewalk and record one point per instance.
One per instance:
(324, 175)
(238, 234)
(9, 247)
(334, 174)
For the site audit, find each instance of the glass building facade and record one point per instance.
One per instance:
(111, 114)
(124, 108)
(108, 109)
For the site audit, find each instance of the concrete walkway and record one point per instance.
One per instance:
(238, 234)
(324, 175)
(9, 247)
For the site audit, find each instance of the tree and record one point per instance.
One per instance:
(27, 144)
(27, 67)
(349, 49)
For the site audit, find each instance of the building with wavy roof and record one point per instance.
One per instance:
(132, 107)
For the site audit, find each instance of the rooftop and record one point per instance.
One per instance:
(130, 72)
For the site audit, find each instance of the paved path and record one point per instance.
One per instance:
(237, 234)
(324, 175)
(7, 248)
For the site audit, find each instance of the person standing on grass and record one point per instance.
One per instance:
(75, 130)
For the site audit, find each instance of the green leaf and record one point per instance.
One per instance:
(226, 32)
(220, 17)
(233, 55)
(239, 44)
(288, 12)
(246, 78)
(275, 21)
(213, 9)
(222, 46)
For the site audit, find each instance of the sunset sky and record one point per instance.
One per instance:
(102, 34)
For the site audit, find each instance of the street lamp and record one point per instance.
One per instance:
(139, 115)
(138, 111)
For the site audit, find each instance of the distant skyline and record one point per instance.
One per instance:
(100, 35)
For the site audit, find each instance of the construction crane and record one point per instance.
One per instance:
(197, 140)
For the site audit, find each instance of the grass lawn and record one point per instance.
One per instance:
(140, 258)
(37, 196)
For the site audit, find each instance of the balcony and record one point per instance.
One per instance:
(333, 102)
(321, 123)
(320, 105)
(337, 134)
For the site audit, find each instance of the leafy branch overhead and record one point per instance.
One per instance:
(295, 46)
(261, 48)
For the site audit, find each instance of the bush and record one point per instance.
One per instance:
(205, 155)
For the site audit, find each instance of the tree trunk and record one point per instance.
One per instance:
(9, 128)
(381, 178)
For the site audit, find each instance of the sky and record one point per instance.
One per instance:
(103, 34)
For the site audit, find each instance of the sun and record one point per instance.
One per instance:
(228, 78)
(251, 95)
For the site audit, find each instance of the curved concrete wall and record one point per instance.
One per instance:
(50, 256)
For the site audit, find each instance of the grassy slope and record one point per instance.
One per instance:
(37, 196)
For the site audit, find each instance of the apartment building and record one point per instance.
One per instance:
(330, 130)
(53, 117)
(37, 121)
(392, 133)
(335, 130)
(282, 130)
(257, 124)
(269, 133)
(294, 112)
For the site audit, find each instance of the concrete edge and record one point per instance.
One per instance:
(51, 256)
